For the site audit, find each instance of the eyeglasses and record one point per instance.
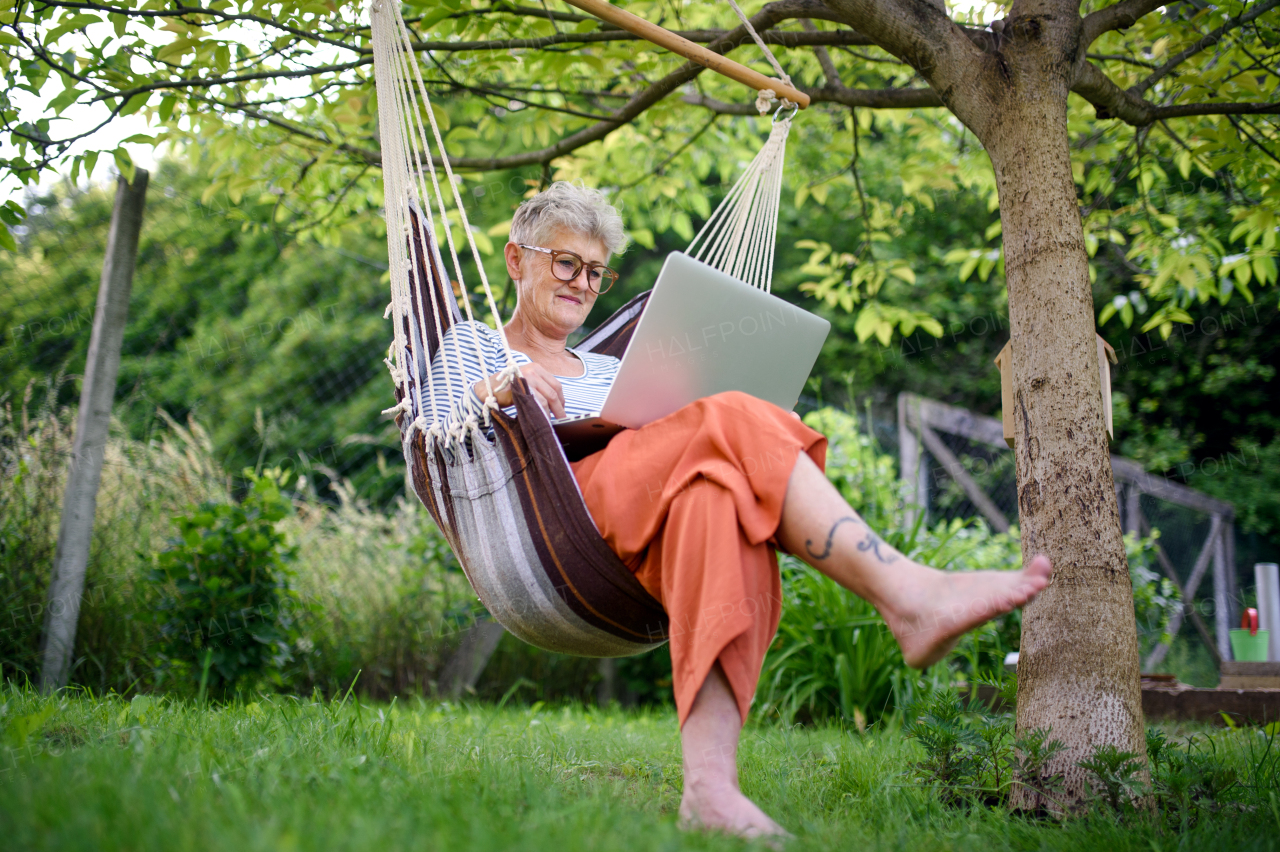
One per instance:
(566, 266)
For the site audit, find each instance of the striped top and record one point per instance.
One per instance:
(482, 355)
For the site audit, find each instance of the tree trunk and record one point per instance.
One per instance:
(1078, 671)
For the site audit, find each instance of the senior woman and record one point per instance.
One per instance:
(697, 502)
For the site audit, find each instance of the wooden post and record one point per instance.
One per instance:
(910, 463)
(607, 688)
(81, 499)
(693, 52)
(462, 672)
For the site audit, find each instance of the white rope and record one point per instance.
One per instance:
(739, 238)
(408, 169)
(766, 96)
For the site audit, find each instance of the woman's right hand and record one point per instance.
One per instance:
(544, 386)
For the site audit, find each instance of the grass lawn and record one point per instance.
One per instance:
(283, 773)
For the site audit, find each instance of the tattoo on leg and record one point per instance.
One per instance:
(826, 550)
(872, 542)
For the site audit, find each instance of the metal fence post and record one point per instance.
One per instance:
(80, 502)
(1221, 598)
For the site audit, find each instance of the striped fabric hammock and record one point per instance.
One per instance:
(499, 487)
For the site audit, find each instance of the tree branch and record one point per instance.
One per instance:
(183, 11)
(1187, 110)
(1118, 16)
(766, 18)
(199, 83)
(524, 11)
(1111, 101)
(778, 37)
(1108, 99)
(873, 98)
(824, 58)
(920, 33)
(1197, 46)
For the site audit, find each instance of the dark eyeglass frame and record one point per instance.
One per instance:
(608, 277)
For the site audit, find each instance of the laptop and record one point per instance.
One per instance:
(702, 332)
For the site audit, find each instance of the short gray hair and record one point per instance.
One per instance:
(579, 209)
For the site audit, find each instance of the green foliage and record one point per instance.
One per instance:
(833, 656)
(141, 486)
(276, 346)
(1155, 598)
(953, 760)
(1029, 765)
(1115, 777)
(378, 593)
(972, 755)
(223, 605)
(1183, 210)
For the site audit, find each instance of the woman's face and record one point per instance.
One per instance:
(556, 308)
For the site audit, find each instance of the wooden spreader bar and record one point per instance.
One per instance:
(693, 52)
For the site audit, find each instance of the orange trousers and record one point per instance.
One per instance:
(691, 504)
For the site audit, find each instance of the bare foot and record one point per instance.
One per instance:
(725, 809)
(936, 608)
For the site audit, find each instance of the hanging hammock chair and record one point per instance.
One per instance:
(500, 487)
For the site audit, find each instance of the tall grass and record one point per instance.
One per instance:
(387, 596)
(382, 595)
(143, 483)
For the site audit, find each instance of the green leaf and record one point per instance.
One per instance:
(65, 99)
(430, 19)
(6, 239)
(124, 163)
(135, 103)
(176, 49)
(11, 213)
(78, 22)
(20, 729)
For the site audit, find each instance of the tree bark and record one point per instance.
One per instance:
(1078, 670)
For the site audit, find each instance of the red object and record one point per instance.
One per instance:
(1249, 621)
(691, 502)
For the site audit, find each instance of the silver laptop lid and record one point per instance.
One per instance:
(704, 332)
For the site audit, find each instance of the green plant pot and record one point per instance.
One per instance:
(1249, 649)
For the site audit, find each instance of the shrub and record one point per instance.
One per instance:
(223, 606)
(379, 590)
(143, 483)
